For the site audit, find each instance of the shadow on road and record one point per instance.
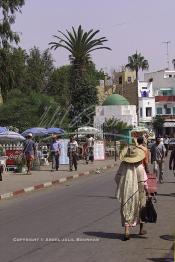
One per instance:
(167, 237)
(169, 195)
(103, 196)
(108, 235)
(165, 259)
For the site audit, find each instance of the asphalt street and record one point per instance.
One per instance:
(80, 221)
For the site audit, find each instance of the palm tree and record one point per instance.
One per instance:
(137, 62)
(80, 44)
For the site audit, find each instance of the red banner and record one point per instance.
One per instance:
(12, 155)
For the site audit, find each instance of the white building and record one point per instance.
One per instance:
(163, 84)
(146, 103)
(162, 81)
(117, 107)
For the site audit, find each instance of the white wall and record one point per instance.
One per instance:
(145, 103)
(145, 86)
(161, 79)
(125, 113)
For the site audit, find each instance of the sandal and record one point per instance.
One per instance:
(126, 237)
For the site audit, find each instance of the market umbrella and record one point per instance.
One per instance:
(87, 130)
(3, 129)
(36, 131)
(10, 136)
(55, 130)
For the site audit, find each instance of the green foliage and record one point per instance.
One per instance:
(80, 45)
(39, 68)
(58, 85)
(113, 126)
(158, 124)
(137, 62)
(25, 111)
(8, 9)
(83, 81)
(12, 67)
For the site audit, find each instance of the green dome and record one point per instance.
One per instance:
(115, 100)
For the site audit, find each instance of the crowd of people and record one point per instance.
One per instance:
(133, 191)
(32, 148)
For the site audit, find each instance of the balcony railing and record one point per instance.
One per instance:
(169, 117)
(164, 98)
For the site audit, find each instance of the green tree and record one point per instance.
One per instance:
(113, 127)
(8, 9)
(58, 85)
(137, 62)
(27, 111)
(39, 68)
(80, 45)
(12, 67)
(158, 123)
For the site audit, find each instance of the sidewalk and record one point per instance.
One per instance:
(14, 184)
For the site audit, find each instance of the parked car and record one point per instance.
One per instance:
(171, 143)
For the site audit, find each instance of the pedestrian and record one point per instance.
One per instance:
(72, 152)
(172, 161)
(29, 152)
(131, 180)
(55, 149)
(166, 144)
(90, 149)
(157, 158)
(140, 142)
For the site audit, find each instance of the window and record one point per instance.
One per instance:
(120, 80)
(168, 111)
(148, 111)
(170, 75)
(173, 110)
(129, 79)
(159, 110)
(141, 112)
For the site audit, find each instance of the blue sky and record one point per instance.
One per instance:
(129, 25)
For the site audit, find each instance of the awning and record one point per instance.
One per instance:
(166, 89)
(169, 124)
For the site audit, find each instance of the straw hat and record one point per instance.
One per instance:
(132, 154)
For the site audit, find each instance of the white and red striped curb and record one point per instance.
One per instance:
(50, 183)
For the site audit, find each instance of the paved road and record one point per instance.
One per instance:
(82, 220)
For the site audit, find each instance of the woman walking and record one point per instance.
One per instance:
(132, 187)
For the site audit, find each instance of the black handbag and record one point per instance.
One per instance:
(148, 213)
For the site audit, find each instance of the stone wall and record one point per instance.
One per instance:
(129, 91)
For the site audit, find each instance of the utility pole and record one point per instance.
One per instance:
(167, 52)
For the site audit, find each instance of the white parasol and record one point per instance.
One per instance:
(10, 136)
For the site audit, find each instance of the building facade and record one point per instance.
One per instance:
(117, 107)
(163, 84)
(146, 103)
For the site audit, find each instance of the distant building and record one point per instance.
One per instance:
(124, 77)
(117, 107)
(126, 85)
(146, 103)
(163, 84)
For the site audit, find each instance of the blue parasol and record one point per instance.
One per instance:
(3, 129)
(55, 130)
(36, 131)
